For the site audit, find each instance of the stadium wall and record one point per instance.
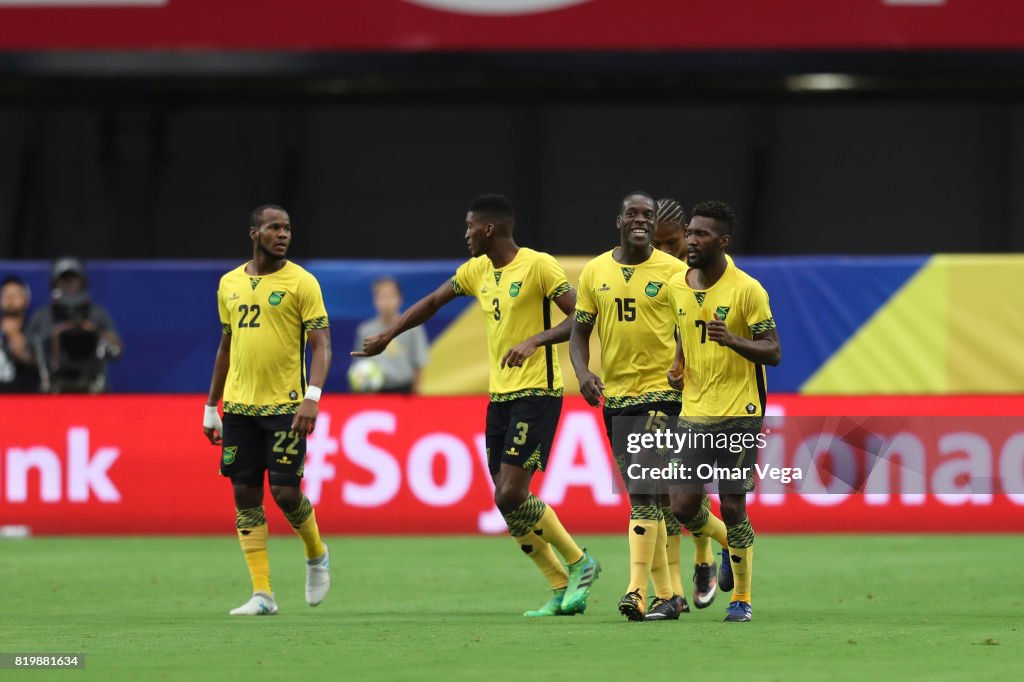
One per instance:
(139, 465)
(852, 326)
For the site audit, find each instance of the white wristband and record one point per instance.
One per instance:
(313, 393)
(211, 418)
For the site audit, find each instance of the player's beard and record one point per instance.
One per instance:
(270, 254)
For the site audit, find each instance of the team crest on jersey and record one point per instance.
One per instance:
(276, 297)
(513, 290)
(653, 288)
(229, 454)
(722, 311)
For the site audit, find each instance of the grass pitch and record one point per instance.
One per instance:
(448, 608)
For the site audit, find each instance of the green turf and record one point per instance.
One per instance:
(826, 608)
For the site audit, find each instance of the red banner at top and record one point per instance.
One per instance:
(509, 25)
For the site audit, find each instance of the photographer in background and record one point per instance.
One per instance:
(73, 338)
(18, 373)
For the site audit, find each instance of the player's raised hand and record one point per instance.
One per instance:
(372, 345)
(591, 388)
(718, 332)
(517, 355)
(213, 427)
(305, 418)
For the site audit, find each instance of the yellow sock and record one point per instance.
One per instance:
(659, 564)
(550, 529)
(303, 521)
(741, 549)
(672, 545)
(674, 572)
(643, 536)
(251, 525)
(544, 558)
(715, 528)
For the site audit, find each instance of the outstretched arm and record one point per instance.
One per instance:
(420, 311)
(516, 356)
(579, 352)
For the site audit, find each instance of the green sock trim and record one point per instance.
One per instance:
(302, 512)
(649, 512)
(250, 518)
(741, 535)
(699, 521)
(525, 517)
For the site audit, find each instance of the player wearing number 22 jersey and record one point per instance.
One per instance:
(269, 309)
(515, 289)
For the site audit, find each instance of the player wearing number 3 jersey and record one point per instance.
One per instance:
(515, 288)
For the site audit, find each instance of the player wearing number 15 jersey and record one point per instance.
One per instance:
(514, 288)
(269, 309)
(623, 294)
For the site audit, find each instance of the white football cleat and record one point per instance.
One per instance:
(261, 604)
(318, 578)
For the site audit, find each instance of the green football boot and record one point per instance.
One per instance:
(553, 607)
(582, 575)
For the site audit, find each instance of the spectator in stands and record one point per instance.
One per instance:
(74, 337)
(18, 371)
(399, 365)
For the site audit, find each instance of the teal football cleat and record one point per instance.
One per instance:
(553, 607)
(582, 575)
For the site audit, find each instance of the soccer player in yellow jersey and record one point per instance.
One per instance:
(514, 288)
(622, 293)
(727, 336)
(670, 237)
(269, 308)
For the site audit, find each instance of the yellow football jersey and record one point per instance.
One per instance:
(629, 307)
(516, 303)
(267, 318)
(719, 382)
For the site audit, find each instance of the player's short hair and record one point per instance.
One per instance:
(256, 217)
(669, 211)
(496, 208)
(720, 212)
(637, 193)
(386, 279)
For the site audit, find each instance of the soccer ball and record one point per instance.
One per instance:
(364, 376)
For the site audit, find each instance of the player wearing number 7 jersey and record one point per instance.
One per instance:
(515, 288)
(269, 308)
(623, 294)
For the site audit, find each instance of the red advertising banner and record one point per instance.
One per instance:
(140, 465)
(425, 25)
